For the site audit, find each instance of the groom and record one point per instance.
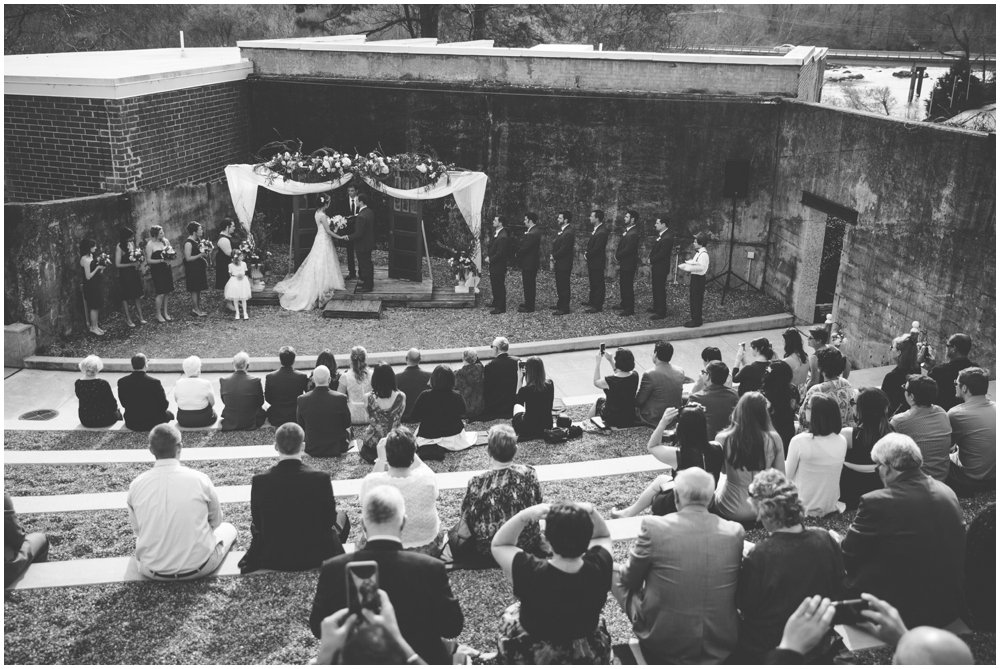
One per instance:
(364, 243)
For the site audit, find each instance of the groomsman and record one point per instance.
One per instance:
(563, 249)
(528, 260)
(627, 256)
(350, 208)
(659, 268)
(597, 261)
(499, 253)
(698, 267)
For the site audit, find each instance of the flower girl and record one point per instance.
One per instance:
(238, 287)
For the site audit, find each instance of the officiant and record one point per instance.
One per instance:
(348, 207)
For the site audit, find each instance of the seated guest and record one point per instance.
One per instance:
(176, 517)
(98, 406)
(946, 373)
(981, 569)
(893, 383)
(425, 608)
(816, 457)
(693, 449)
(709, 354)
(904, 533)
(294, 518)
(858, 475)
(927, 424)
(718, 399)
(751, 364)
(327, 359)
(831, 363)
(930, 645)
(20, 550)
(194, 396)
(439, 411)
(617, 407)
(491, 499)
(819, 339)
(364, 638)
(783, 400)
(412, 381)
(417, 482)
(974, 431)
(242, 397)
(679, 585)
(356, 383)
(557, 619)
(795, 357)
(660, 387)
(533, 407)
(142, 397)
(751, 445)
(386, 407)
(469, 383)
(499, 382)
(324, 415)
(282, 389)
(773, 580)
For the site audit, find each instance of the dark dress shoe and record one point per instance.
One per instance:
(692, 324)
(560, 312)
(494, 312)
(626, 313)
(524, 310)
(617, 306)
(584, 303)
(592, 310)
(658, 317)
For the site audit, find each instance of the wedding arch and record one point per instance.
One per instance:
(467, 187)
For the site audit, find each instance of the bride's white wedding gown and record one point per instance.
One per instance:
(317, 277)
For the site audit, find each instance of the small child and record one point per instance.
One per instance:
(238, 287)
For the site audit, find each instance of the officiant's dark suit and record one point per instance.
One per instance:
(348, 206)
(528, 260)
(364, 243)
(500, 251)
(326, 418)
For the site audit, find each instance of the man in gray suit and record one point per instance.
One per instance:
(242, 397)
(679, 586)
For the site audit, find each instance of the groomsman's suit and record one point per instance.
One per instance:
(659, 270)
(528, 260)
(563, 248)
(627, 256)
(597, 262)
(499, 252)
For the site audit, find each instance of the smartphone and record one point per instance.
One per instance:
(603, 346)
(599, 422)
(520, 364)
(362, 586)
(743, 345)
(849, 611)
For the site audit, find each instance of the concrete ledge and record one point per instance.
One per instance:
(307, 362)
(19, 343)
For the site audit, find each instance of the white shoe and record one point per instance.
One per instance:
(246, 316)
(237, 316)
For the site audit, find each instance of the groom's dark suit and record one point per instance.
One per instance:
(364, 243)
(348, 209)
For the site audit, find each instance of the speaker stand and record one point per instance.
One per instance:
(728, 274)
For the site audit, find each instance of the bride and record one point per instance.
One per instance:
(319, 274)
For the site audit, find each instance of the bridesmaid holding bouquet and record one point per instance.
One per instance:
(158, 255)
(93, 283)
(128, 260)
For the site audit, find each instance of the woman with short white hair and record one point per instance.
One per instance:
(194, 397)
(98, 406)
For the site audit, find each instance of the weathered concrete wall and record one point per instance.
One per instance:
(924, 247)
(42, 275)
(545, 153)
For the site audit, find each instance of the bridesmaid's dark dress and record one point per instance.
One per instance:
(98, 406)
(195, 270)
(93, 288)
(162, 273)
(129, 281)
(222, 265)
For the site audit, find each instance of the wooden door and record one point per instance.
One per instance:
(303, 227)
(406, 239)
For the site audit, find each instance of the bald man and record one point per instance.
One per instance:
(930, 645)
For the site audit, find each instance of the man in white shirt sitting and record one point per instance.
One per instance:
(176, 517)
(698, 268)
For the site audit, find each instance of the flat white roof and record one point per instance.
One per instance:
(113, 75)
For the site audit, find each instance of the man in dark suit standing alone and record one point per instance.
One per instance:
(499, 253)
(528, 260)
(364, 243)
(294, 519)
(627, 256)
(282, 389)
(142, 398)
(242, 397)
(563, 248)
(597, 261)
(659, 268)
(324, 415)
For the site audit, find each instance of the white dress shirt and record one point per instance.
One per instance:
(697, 265)
(173, 511)
(193, 394)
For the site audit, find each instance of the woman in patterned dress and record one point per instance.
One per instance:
(385, 408)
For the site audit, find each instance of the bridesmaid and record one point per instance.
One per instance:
(93, 283)
(195, 267)
(224, 256)
(129, 280)
(159, 268)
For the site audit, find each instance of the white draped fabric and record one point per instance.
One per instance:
(468, 189)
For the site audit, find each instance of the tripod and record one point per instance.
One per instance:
(728, 272)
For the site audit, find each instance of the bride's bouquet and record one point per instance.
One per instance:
(337, 224)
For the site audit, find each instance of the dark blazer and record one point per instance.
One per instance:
(500, 251)
(243, 402)
(907, 546)
(419, 589)
(597, 246)
(364, 230)
(500, 386)
(411, 382)
(143, 400)
(627, 253)
(293, 514)
(326, 419)
(528, 250)
(945, 374)
(562, 249)
(663, 246)
(281, 390)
